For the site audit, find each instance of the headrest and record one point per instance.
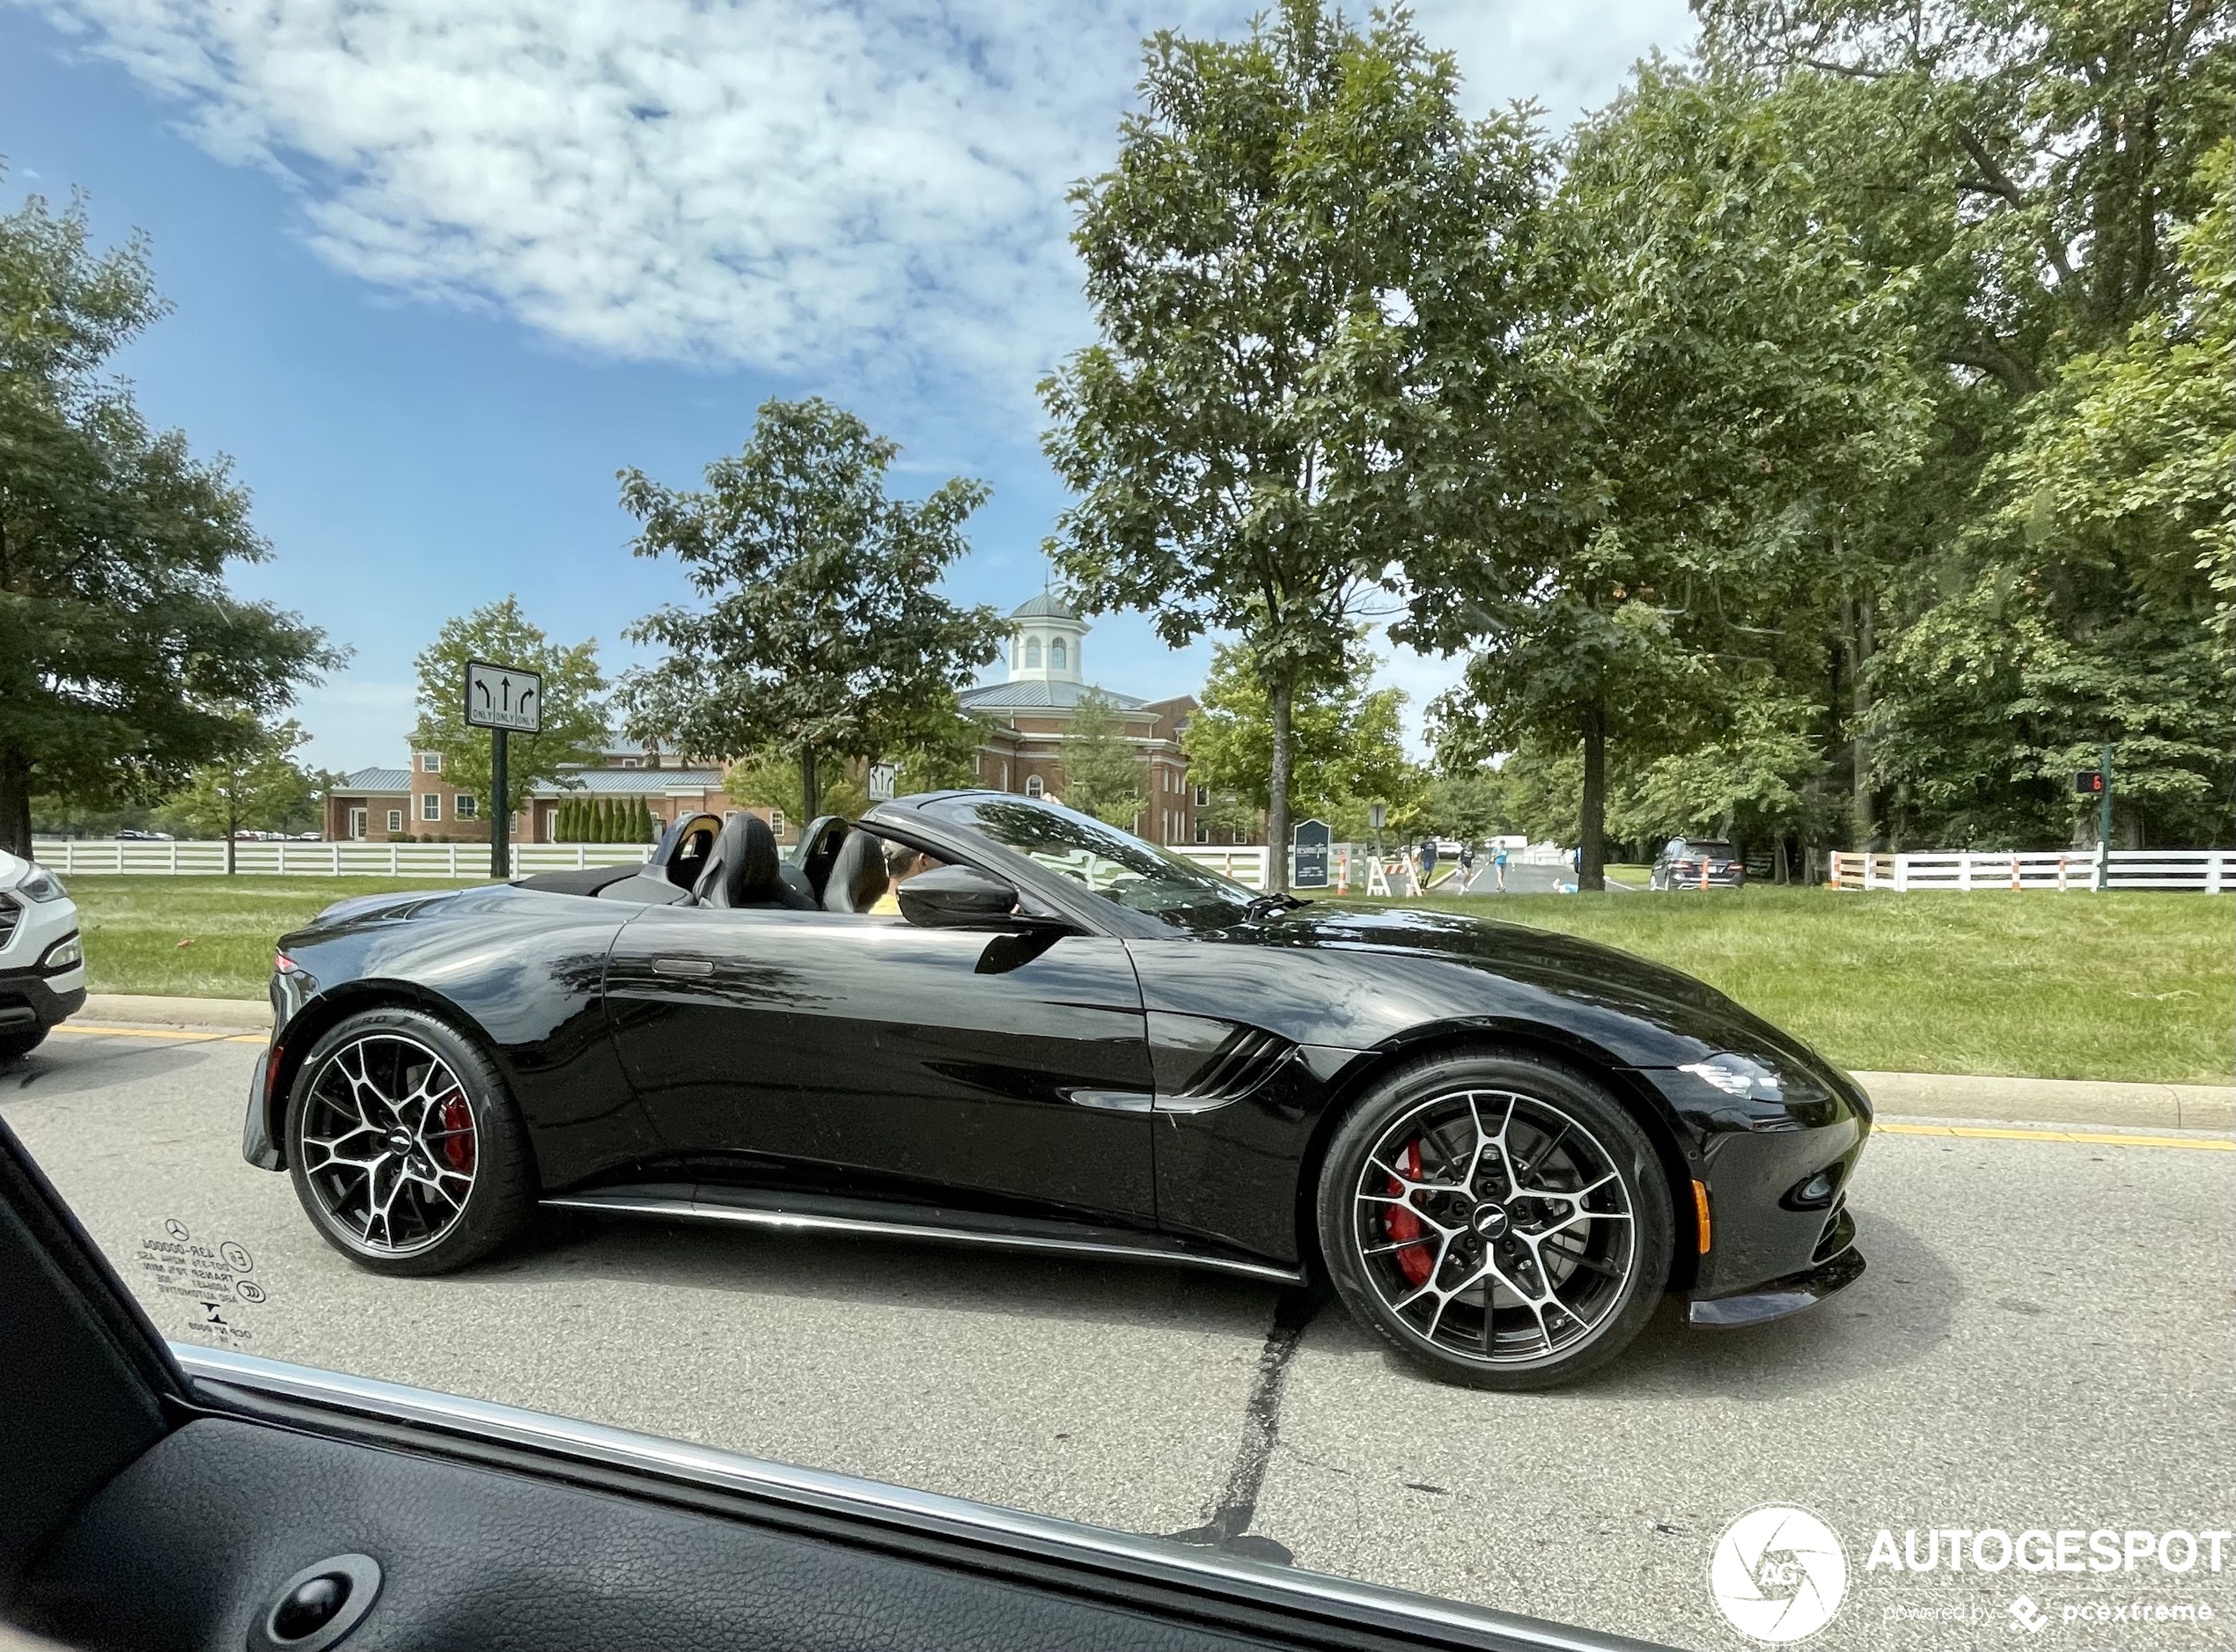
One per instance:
(742, 869)
(857, 877)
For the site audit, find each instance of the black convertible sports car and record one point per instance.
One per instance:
(977, 1018)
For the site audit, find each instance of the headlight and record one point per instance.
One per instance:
(41, 884)
(66, 953)
(1738, 1076)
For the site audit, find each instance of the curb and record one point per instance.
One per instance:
(230, 1015)
(2051, 1100)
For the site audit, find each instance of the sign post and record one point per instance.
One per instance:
(502, 699)
(1312, 839)
(1376, 814)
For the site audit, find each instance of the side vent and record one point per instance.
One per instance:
(1243, 1064)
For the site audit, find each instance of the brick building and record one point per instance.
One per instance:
(1032, 710)
(391, 804)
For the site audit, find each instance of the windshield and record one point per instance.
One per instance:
(1114, 864)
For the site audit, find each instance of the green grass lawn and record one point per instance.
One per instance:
(2128, 986)
(137, 929)
(2132, 985)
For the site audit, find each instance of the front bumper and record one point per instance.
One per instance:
(1780, 1297)
(27, 996)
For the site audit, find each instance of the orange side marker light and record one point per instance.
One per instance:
(1700, 1210)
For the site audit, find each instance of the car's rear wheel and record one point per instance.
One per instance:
(404, 1147)
(1500, 1220)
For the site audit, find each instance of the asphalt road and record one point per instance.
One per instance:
(2047, 1338)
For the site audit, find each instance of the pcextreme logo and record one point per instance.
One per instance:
(1778, 1573)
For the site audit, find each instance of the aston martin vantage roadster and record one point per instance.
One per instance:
(978, 1018)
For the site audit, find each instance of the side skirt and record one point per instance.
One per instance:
(830, 1213)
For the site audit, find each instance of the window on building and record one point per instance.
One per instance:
(776, 821)
(1202, 797)
(1056, 654)
(630, 762)
(395, 822)
(1032, 653)
(1202, 832)
(430, 762)
(464, 808)
(431, 806)
(1032, 787)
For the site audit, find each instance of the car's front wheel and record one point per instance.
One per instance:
(404, 1147)
(20, 1041)
(1498, 1219)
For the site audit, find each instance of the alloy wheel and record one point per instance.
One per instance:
(389, 1143)
(1494, 1226)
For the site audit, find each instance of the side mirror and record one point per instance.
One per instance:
(955, 898)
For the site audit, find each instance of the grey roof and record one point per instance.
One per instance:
(638, 782)
(376, 779)
(1045, 607)
(1029, 695)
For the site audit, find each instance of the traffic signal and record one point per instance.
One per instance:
(2089, 783)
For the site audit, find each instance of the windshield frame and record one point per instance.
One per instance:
(923, 816)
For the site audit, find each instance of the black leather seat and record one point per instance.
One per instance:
(742, 869)
(857, 875)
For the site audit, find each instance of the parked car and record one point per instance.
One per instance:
(985, 1019)
(42, 959)
(1680, 866)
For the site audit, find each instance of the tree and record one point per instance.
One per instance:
(825, 635)
(1102, 768)
(938, 749)
(574, 713)
(2021, 181)
(257, 786)
(1713, 374)
(124, 660)
(1295, 265)
(771, 779)
(1348, 751)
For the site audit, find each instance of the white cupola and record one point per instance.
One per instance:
(1045, 639)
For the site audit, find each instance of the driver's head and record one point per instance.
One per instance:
(902, 862)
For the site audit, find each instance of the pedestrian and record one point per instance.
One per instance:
(1428, 859)
(1466, 866)
(1499, 865)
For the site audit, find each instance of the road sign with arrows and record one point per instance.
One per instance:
(503, 697)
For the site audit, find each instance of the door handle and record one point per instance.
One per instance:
(682, 966)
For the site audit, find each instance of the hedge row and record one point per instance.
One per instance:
(604, 820)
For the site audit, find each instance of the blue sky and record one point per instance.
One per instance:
(441, 267)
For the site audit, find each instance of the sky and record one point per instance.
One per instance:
(441, 268)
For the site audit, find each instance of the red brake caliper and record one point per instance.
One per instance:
(1415, 1261)
(458, 1147)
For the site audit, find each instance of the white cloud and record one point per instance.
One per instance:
(834, 191)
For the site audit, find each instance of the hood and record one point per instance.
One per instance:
(1579, 970)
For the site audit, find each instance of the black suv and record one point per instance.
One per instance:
(1698, 863)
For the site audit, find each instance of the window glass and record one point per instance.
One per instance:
(1033, 653)
(1114, 864)
(431, 806)
(1056, 654)
(463, 806)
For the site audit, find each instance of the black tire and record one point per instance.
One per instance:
(1428, 1288)
(440, 1173)
(20, 1041)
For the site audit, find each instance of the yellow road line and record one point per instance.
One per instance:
(177, 1035)
(2196, 1145)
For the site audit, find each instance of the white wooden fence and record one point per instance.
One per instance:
(2209, 871)
(78, 856)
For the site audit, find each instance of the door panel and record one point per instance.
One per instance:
(871, 1051)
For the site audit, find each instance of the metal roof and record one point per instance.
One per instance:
(1028, 694)
(637, 782)
(376, 779)
(1044, 606)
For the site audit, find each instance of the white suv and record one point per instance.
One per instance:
(42, 960)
